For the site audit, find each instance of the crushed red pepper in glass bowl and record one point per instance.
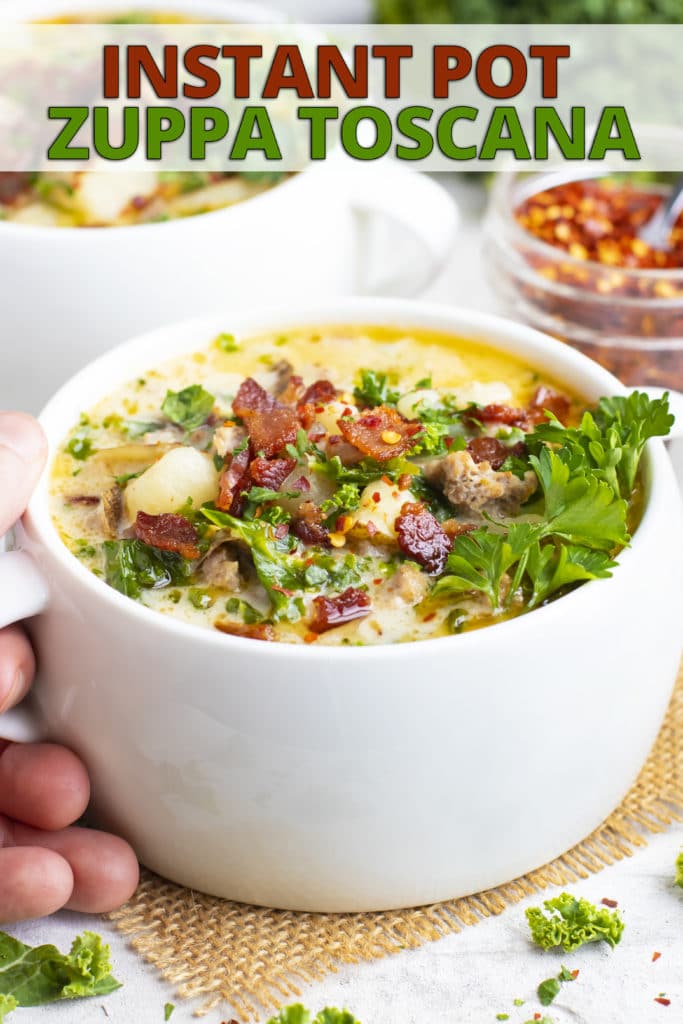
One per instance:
(566, 256)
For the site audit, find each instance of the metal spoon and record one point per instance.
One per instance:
(657, 230)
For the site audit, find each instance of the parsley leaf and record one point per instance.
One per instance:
(188, 408)
(552, 567)
(373, 390)
(548, 990)
(571, 922)
(30, 976)
(480, 559)
(679, 870)
(581, 509)
(168, 1010)
(609, 441)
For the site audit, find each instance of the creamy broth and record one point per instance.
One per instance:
(349, 472)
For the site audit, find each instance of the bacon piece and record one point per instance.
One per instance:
(12, 184)
(311, 533)
(271, 473)
(495, 413)
(291, 394)
(251, 397)
(308, 525)
(168, 532)
(422, 538)
(330, 612)
(254, 631)
(493, 451)
(381, 433)
(455, 528)
(234, 479)
(271, 425)
(556, 403)
(319, 393)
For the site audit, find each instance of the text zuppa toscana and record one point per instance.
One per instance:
(350, 486)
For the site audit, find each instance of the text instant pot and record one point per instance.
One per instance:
(224, 102)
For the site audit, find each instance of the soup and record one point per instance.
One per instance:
(349, 485)
(108, 199)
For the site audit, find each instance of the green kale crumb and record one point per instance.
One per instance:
(573, 922)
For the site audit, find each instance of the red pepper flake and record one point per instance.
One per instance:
(378, 581)
(376, 497)
(310, 638)
(537, 1016)
(428, 618)
(386, 480)
(609, 903)
(575, 974)
(655, 956)
(662, 1001)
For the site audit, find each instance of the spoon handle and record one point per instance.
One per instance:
(657, 230)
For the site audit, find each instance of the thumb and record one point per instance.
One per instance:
(22, 457)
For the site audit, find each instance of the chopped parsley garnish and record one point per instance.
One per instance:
(138, 428)
(227, 343)
(199, 598)
(246, 612)
(374, 390)
(571, 923)
(168, 1010)
(188, 408)
(80, 446)
(679, 870)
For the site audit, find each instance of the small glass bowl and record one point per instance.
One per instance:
(630, 321)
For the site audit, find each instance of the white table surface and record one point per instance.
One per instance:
(472, 976)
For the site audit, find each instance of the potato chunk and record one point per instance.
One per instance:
(180, 474)
(380, 504)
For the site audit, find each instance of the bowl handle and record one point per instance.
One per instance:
(415, 202)
(23, 592)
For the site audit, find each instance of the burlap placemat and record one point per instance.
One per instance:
(253, 959)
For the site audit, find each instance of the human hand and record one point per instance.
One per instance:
(44, 863)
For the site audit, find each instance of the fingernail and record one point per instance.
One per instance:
(22, 435)
(15, 692)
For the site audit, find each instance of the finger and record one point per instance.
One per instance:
(17, 666)
(42, 785)
(105, 869)
(34, 882)
(22, 456)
